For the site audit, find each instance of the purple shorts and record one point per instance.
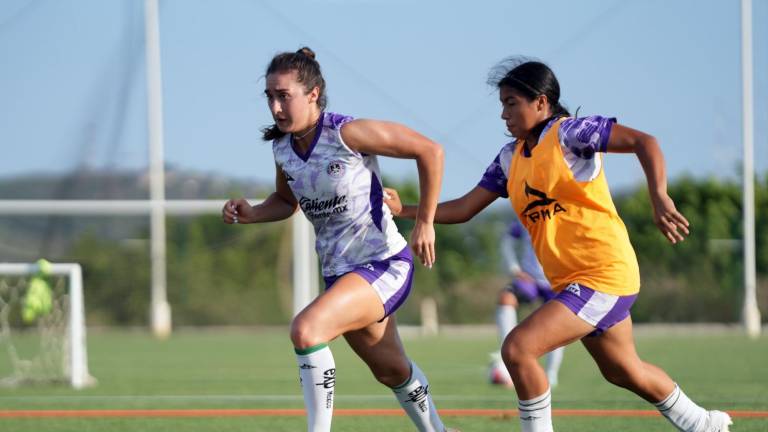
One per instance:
(598, 309)
(392, 279)
(528, 291)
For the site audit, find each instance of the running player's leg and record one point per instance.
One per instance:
(506, 320)
(615, 354)
(349, 304)
(552, 365)
(555, 357)
(380, 348)
(550, 326)
(506, 312)
(520, 290)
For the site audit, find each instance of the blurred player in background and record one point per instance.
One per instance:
(528, 285)
(326, 165)
(553, 175)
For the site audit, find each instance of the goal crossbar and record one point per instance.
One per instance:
(305, 285)
(110, 207)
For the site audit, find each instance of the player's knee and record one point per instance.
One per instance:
(513, 350)
(303, 334)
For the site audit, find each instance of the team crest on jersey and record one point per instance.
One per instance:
(542, 207)
(335, 169)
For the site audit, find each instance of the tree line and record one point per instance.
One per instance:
(240, 275)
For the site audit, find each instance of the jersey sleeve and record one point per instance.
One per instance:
(495, 176)
(585, 136)
(336, 121)
(333, 123)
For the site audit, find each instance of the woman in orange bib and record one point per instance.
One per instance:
(552, 172)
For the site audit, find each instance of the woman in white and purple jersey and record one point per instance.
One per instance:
(326, 165)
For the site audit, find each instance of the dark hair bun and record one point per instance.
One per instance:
(307, 52)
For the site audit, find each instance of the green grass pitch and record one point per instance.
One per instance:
(255, 369)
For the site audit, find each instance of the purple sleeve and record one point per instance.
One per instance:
(585, 136)
(336, 121)
(494, 178)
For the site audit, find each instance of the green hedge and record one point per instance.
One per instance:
(240, 275)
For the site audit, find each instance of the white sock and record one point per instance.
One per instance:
(416, 400)
(506, 320)
(536, 413)
(682, 412)
(554, 359)
(317, 372)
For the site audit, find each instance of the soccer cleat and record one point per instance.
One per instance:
(497, 372)
(717, 421)
(452, 430)
(500, 376)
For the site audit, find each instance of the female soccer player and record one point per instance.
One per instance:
(528, 285)
(326, 164)
(553, 174)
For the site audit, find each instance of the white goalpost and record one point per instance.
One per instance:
(750, 311)
(60, 353)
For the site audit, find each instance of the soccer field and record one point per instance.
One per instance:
(246, 380)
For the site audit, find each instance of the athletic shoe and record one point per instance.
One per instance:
(717, 421)
(499, 376)
(497, 372)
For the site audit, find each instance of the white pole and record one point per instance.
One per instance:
(160, 310)
(312, 268)
(305, 273)
(750, 313)
(80, 377)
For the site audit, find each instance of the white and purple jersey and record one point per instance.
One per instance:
(518, 253)
(340, 192)
(582, 139)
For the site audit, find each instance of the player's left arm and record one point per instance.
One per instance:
(627, 140)
(395, 140)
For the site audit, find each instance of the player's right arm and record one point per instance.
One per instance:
(449, 212)
(280, 205)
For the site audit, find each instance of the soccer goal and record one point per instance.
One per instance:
(42, 325)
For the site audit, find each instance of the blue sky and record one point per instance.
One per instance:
(72, 80)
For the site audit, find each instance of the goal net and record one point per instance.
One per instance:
(42, 325)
